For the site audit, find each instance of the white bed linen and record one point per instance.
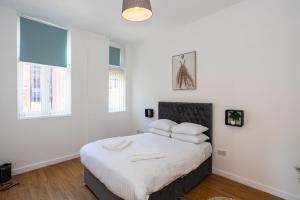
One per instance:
(137, 180)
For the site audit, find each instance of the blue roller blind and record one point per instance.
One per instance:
(114, 56)
(42, 44)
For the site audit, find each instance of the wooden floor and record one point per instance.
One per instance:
(65, 181)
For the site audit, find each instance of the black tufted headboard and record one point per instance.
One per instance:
(198, 113)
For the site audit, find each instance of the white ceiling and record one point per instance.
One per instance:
(104, 16)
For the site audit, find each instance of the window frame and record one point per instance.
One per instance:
(68, 109)
(121, 67)
(45, 110)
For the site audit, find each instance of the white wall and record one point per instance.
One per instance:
(247, 58)
(33, 143)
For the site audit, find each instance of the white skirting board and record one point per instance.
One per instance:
(38, 165)
(256, 185)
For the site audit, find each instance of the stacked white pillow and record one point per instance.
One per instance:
(196, 139)
(189, 132)
(160, 132)
(162, 127)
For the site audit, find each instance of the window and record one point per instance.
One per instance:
(44, 90)
(44, 74)
(117, 83)
(117, 90)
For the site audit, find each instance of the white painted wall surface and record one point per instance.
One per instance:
(247, 58)
(33, 143)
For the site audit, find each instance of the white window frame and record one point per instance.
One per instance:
(47, 112)
(122, 66)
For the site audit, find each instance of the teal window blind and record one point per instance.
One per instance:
(42, 44)
(114, 56)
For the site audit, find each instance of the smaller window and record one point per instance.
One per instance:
(117, 81)
(117, 90)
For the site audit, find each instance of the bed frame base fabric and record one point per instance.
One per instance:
(173, 191)
(199, 113)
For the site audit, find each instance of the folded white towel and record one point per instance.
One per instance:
(117, 144)
(145, 154)
(144, 151)
(146, 157)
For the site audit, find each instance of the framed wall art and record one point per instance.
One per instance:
(184, 71)
(234, 118)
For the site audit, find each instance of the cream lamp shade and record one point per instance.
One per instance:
(136, 10)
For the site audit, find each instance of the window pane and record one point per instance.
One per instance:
(35, 84)
(117, 90)
(57, 89)
(44, 90)
(26, 94)
(31, 88)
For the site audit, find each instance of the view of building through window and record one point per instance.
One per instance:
(117, 92)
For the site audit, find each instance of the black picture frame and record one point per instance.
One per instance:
(239, 123)
(149, 112)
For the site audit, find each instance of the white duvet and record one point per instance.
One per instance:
(137, 180)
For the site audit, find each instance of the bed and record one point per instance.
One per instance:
(160, 175)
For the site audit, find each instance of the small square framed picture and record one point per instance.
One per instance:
(234, 118)
(184, 71)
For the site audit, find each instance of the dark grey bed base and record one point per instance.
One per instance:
(179, 112)
(173, 191)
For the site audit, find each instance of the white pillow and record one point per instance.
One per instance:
(162, 124)
(189, 128)
(159, 132)
(196, 139)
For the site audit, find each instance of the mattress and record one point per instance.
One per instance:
(137, 180)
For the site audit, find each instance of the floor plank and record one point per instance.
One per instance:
(64, 181)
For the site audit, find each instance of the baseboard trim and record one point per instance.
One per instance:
(256, 185)
(46, 163)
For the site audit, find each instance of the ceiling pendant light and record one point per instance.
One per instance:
(136, 10)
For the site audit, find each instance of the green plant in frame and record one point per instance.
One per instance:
(235, 116)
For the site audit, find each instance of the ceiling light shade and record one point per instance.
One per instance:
(136, 10)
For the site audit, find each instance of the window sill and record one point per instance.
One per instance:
(43, 116)
(116, 112)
